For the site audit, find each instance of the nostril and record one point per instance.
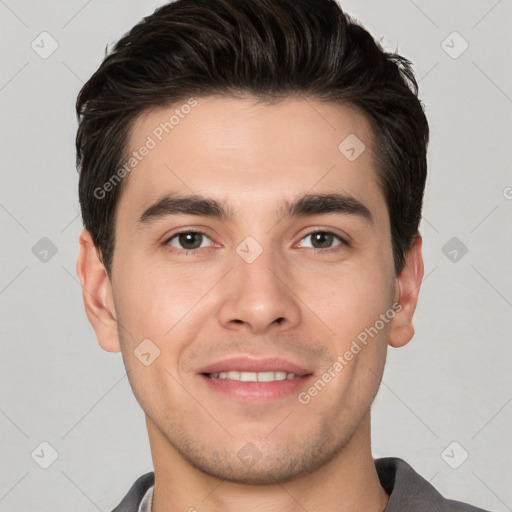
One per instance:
(279, 320)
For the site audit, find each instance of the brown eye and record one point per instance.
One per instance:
(323, 240)
(188, 240)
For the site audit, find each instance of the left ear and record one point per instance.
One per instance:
(406, 295)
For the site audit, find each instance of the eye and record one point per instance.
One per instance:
(188, 240)
(323, 240)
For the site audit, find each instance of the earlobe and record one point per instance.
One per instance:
(97, 294)
(407, 289)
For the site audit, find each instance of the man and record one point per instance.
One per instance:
(251, 183)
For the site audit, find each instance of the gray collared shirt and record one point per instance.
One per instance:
(147, 500)
(408, 491)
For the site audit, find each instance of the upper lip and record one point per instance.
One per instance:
(246, 364)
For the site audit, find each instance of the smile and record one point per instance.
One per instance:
(254, 376)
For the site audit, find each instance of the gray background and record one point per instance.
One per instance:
(452, 383)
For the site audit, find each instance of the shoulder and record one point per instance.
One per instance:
(410, 491)
(131, 501)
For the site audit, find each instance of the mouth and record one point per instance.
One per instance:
(242, 376)
(248, 380)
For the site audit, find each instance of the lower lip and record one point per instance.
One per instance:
(257, 392)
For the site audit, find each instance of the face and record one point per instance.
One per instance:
(274, 271)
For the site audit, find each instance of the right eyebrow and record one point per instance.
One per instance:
(173, 204)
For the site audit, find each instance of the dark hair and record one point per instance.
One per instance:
(267, 48)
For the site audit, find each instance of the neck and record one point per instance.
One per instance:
(348, 482)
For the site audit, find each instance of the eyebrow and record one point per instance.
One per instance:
(307, 205)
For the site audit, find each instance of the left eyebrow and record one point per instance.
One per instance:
(321, 204)
(307, 205)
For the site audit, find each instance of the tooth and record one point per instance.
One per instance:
(243, 376)
(248, 377)
(265, 376)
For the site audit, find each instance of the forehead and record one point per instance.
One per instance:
(250, 154)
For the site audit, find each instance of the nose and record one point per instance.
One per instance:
(259, 297)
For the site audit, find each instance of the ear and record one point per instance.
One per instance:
(406, 295)
(97, 293)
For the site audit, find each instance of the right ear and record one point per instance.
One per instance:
(97, 293)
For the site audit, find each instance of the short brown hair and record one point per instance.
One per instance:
(266, 48)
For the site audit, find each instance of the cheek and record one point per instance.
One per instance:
(347, 298)
(156, 312)
(158, 302)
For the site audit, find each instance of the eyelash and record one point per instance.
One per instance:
(186, 252)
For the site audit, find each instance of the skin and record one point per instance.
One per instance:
(210, 304)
